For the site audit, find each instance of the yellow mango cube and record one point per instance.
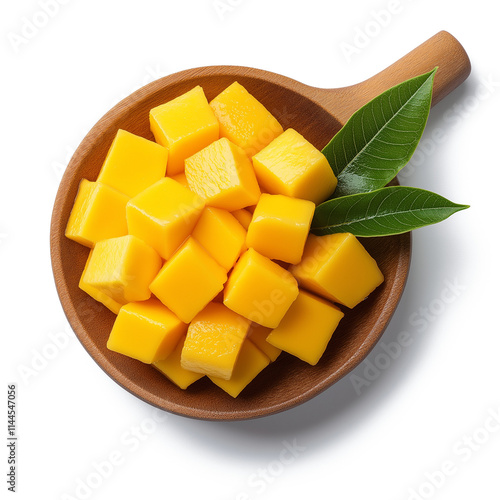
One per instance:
(181, 179)
(251, 361)
(280, 226)
(213, 341)
(221, 235)
(292, 166)
(338, 267)
(244, 217)
(122, 268)
(244, 120)
(189, 280)
(184, 125)
(260, 290)
(96, 294)
(307, 327)
(164, 215)
(172, 369)
(146, 331)
(258, 335)
(223, 176)
(133, 163)
(97, 214)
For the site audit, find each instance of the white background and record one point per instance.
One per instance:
(431, 408)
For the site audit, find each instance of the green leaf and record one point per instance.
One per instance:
(380, 138)
(384, 212)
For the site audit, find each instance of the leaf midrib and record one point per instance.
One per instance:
(358, 153)
(380, 216)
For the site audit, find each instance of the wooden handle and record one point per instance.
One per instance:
(442, 50)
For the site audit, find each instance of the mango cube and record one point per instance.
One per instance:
(260, 290)
(184, 125)
(244, 120)
(244, 217)
(292, 166)
(133, 163)
(96, 294)
(221, 235)
(164, 215)
(213, 341)
(280, 226)
(251, 361)
(146, 331)
(97, 214)
(223, 176)
(258, 335)
(122, 268)
(338, 267)
(172, 369)
(307, 327)
(181, 179)
(189, 280)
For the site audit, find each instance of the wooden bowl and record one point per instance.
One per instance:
(317, 114)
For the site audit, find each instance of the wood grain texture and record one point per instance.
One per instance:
(317, 114)
(442, 50)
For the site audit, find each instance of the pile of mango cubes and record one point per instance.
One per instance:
(200, 242)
